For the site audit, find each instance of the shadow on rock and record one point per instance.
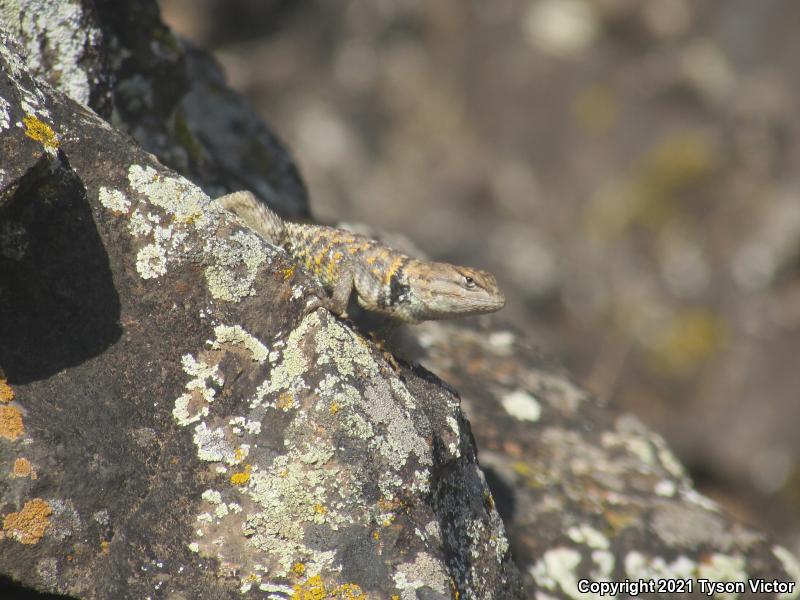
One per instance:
(58, 305)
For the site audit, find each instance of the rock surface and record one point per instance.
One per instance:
(174, 425)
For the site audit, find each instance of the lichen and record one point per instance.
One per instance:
(6, 392)
(5, 114)
(236, 335)
(23, 468)
(556, 571)
(114, 200)
(38, 130)
(425, 571)
(151, 261)
(59, 32)
(521, 405)
(28, 525)
(11, 426)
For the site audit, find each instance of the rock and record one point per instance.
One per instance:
(193, 433)
(173, 424)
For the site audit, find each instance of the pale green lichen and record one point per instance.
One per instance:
(639, 566)
(5, 114)
(141, 225)
(114, 200)
(425, 571)
(287, 375)
(151, 261)
(521, 405)
(61, 29)
(212, 445)
(226, 281)
(231, 264)
(341, 346)
(236, 335)
(792, 567)
(192, 405)
(556, 571)
(723, 567)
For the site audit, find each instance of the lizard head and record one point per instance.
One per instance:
(448, 291)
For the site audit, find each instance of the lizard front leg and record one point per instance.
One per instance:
(336, 303)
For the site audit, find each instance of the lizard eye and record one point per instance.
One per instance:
(469, 282)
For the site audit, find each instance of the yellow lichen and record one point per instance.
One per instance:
(40, 131)
(335, 408)
(319, 509)
(376, 535)
(22, 468)
(687, 342)
(288, 272)
(6, 393)
(285, 401)
(11, 426)
(298, 568)
(314, 589)
(28, 525)
(241, 477)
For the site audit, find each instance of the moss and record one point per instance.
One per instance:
(40, 131)
(187, 139)
(28, 525)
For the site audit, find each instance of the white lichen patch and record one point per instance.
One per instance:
(723, 567)
(5, 114)
(236, 335)
(231, 264)
(289, 494)
(591, 537)
(61, 28)
(212, 446)
(114, 200)
(521, 405)
(141, 225)
(192, 405)
(639, 566)
(557, 571)
(236, 261)
(792, 568)
(151, 261)
(425, 571)
(211, 496)
(347, 351)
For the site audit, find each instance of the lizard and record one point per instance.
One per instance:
(385, 281)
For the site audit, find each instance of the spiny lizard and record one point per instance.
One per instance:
(385, 280)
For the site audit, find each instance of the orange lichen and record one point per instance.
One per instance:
(11, 426)
(28, 525)
(22, 468)
(242, 477)
(6, 393)
(40, 131)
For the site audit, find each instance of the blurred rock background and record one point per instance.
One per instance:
(627, 168)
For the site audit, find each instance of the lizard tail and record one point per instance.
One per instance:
(255, 215)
